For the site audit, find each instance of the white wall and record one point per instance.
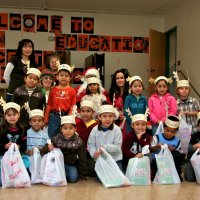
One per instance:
(186, 18)
(105, 24)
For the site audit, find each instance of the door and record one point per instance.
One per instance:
(157, 53)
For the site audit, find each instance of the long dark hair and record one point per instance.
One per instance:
(19, 50)
(115, 89)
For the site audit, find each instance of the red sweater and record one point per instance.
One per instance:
(63, 98)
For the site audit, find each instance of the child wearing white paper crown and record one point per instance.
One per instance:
(171, 127)
(136, 139)
(187, 106)
(135, 102)
(107, 135)
(29, 92)
(36, 136)
(162, 103)
(73, 149)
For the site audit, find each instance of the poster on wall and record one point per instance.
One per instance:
(93, 43)
(3, 21)
(10, 53)
(146, 45)
(76, 24)
(88, 25)
(82, 44)
(77, 73)
(104, 43)
(38, 59)
(56, 24)
(2, 57)
(2, 69)
(116, 44)
(60, 42)
(72, 42)
(138, 45)
(15, 22)
(2, 39)
(29, 23)
(42, 23)
(127, 44)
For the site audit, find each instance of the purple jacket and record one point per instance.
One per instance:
(157, 107)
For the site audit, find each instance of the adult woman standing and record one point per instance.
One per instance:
(118, 91)
(18, 65)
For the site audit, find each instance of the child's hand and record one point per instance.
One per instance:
(171, 148)
(50, 147)
(7, 146)
(196, 146)
(29, 152)
(97, 153)
(139, 155)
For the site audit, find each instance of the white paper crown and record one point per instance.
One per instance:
(34, 71)
(181, 83)
(6, 106)
(140, 117)
(36, 112)
(87, 103)
(154, 81)
(66, 67)
(109, 109)
(172, 123)
(133, 78)
(93, 80)
(69, 119)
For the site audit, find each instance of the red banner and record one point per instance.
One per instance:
(29, 23)
(56, 24)
(83, 43)
(3, 21)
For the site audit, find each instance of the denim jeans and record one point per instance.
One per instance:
(54, 125)
(71, 173)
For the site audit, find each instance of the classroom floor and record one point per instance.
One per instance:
(92, 190)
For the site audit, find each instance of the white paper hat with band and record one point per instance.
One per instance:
(138, 117)
(161, 78)
(93, 80)
(93, 72)
(172, 121)
(36, 112)
(133, 78)
(66, 67)
(181, 83)
(87, 103)
(69, 119)
(11, 105)
(34, 71)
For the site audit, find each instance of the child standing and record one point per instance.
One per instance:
(187, 106)
(61, 100)
(54, 62)
(30, 93)
(36, 137)
(136, 139)
(161, 104)
(11, 131)
(73, 150)
(135, 102)
(171, 127)
(84, 126)
(193, 146)
(107, 135)
(93, 94)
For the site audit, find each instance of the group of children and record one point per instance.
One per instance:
(38, 113)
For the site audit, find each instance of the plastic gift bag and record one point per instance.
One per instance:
(195, 161)
(160, 128)
(138, 169)
(109, 172)
(34, 168)
(13, 171)
(184, 134)
(166, 173)
(53, 169)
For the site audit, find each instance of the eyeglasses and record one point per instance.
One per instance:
(48, 78)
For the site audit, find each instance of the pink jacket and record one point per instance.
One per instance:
(157, 107)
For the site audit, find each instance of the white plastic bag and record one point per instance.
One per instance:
(138, 169)
(13, 171)
(184, 134)
(53, 171)
(160, 128)
(195, 161)
(166, 170)
(34, 168)
(109, 172)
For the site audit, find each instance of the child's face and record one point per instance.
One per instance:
(120, 80)
(136, 88)
(36, 122)
(93, 88)
(183, 92)
(47, 81)
(11, 117)
(106, 119)
(86, 113)
(27, 49)
(139, 126)
(53, 64)
(169, 132)
(64, 78)
(68, 130)
(161, 87)
(31, 80)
